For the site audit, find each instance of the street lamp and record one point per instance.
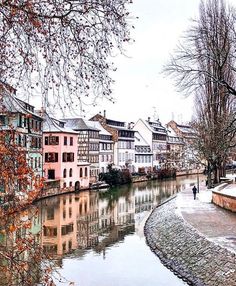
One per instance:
(198, 167)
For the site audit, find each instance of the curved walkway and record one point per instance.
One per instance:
(195, 239)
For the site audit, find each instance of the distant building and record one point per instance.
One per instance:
(123, 138)
(187, 134)
(184, 131)
(156, 137)
(87, 144)
(106, 154)
(143, 154)
(175, 150)
(60, 156)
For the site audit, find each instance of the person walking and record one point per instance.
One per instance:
(194, 189)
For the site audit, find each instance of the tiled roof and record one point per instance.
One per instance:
(12, 104)
(53, 125)
(78, 124)
(97, 125)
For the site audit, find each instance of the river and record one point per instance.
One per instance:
(96, 238)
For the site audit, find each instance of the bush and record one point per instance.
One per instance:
(116, 177)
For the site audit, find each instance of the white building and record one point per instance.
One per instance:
(123, 138)
(155, 135)
(143, 154)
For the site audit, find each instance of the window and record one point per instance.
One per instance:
(81, 172)
(86, 172)
(25, 141)
(71, 141)
(51, 157)
(2, 120)
(20, 121)
(50, 213)
(65, 229)
(70, 184)
(64, 185)
(64, 173)
(51, 140)
(51, 174)
(39, 143)
(65, 140)
(68, 157)
(70, 172)
(46, 140)
(49, 231)
(19, 140)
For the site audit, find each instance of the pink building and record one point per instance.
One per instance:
(60, 157)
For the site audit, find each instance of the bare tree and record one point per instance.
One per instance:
(211, 38)
(60, 49)
(205, 66)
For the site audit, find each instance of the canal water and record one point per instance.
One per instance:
(96, 238)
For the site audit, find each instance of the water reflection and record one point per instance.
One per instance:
(96, 220)
(21, 256)
(83, 226)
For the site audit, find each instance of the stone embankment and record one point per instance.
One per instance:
(186, 252)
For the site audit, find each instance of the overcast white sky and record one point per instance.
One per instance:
(140, 89)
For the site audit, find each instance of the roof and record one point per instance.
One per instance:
(115, 123)
(157, 127)
(185, 128)
(139, 140)
(171, 132)
(97, 125)
(78, 124)
(10, 103)
(53, 125)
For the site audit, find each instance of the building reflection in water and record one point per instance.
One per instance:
(74, 223)
(89, 219)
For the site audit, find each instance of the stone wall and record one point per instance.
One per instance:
(225, 201)
(186, 252)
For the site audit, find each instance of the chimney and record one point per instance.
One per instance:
(104, 113)
(149, 119)
(131, 125)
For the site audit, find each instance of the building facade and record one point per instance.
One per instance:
(143, 155)
(106, 149)
(19, 118)
(87, 145)
(60, 156)
(156, 137)
(123, 138)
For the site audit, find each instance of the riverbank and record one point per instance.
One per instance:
(195, 239)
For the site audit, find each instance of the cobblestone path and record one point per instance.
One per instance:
(186, 252)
